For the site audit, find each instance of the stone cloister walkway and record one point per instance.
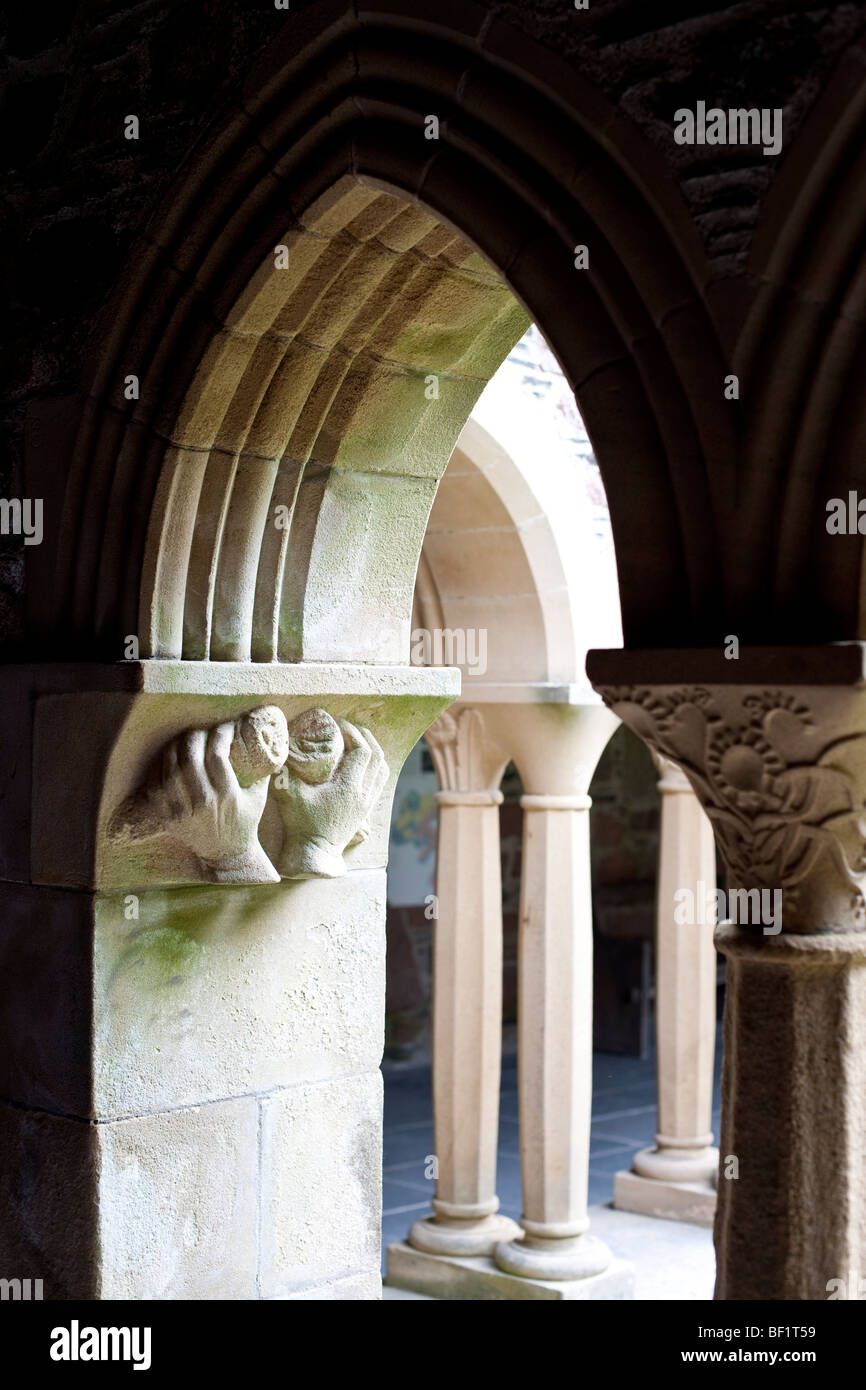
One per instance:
(672, 1260)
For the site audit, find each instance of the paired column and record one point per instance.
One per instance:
(467, 993)
(675, 1179)
(551, 1255)
(778, 758)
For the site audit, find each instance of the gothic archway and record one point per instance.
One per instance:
(529, 163)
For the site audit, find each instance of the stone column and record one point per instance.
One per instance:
(791, 1222)
(192, 982)
(467, 992)
(675, 1179)
(775, 746)
(556, 753)
(555, 1040)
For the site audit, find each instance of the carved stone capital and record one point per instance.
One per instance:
(465, 756)
(781, 772)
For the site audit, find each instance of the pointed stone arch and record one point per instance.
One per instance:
(529, 163)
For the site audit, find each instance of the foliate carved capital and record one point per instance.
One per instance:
(781, 773)
(464, 755)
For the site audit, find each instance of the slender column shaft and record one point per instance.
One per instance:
(467, 1028)
(467, 1006)
(555, 1043)
(685, 989)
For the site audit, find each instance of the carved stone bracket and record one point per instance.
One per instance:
(207, 789)
(333, 775)
(781, 773)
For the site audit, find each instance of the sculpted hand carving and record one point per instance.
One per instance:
(207, 790)
(782, 781)
(333, 776)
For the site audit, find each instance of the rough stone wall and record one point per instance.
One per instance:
(78, 191)
(651, 59)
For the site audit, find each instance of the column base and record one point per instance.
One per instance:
(531, 1257)
(693, 1202)
(434, 1235)
(453, 1277)
(668, 1163)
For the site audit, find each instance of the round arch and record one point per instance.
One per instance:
(508, 553)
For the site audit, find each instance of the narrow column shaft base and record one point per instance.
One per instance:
(437, 1235)
(452, 1277)
(668, 1164)
(534, 1257)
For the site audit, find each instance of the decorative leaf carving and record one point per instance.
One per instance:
(782, 794)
